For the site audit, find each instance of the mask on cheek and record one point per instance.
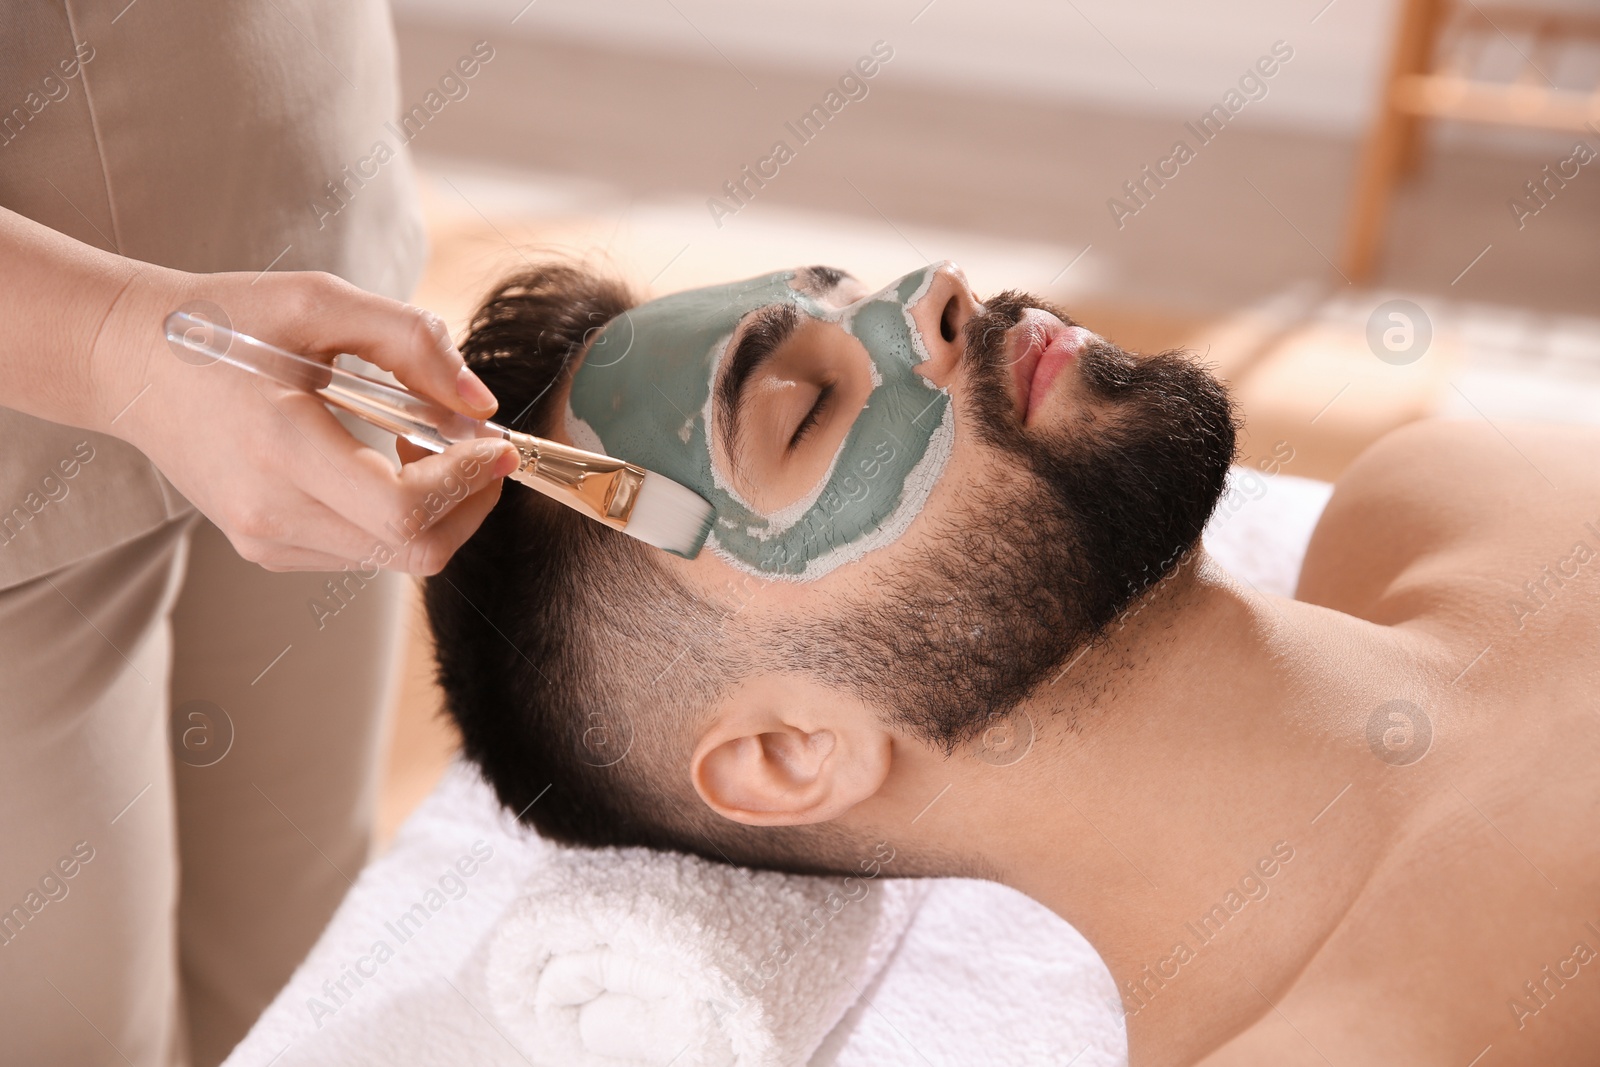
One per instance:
(644, 394)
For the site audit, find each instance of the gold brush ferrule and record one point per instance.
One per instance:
(601, 487)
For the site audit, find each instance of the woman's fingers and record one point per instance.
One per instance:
(409, 342)
(450, 493)
(429, 553)
(403, 509)
(395, 508)
(300, 534)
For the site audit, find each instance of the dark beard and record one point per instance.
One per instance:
(1021, 574)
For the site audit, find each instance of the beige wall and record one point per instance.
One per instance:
(1158, 56)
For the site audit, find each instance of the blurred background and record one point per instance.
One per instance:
(1382, 209)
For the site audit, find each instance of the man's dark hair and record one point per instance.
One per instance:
(538, 615)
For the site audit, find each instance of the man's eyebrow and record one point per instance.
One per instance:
(765, 331)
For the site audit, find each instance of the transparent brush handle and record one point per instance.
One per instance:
(419, 420)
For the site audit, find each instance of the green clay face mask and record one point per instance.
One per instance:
(645, 394)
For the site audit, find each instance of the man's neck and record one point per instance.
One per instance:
(1200, 801)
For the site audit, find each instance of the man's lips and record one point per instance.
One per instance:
(1043, 345)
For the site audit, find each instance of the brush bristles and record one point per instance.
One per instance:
(670, 516)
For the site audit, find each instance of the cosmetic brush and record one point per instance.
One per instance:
(624, 496)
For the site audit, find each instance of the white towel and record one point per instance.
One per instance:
(633, 958)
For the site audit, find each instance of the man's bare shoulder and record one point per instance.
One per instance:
(1442, 512)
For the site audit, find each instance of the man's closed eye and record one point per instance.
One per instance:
(825, 397)
(792, 388)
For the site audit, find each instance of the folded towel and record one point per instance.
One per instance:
(634, 958)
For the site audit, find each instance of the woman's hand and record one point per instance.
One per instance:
(82, 342)
(271, 466)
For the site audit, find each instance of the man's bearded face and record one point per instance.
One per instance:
(1026, 569)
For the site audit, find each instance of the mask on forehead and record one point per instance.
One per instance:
(644, 394)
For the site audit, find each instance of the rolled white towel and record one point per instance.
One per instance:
(635, 958)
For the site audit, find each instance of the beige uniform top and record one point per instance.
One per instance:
(230, 116)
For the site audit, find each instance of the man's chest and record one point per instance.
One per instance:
(1482, 928)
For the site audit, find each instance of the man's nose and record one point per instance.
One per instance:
(941, 317)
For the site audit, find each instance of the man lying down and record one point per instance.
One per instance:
(955, 600)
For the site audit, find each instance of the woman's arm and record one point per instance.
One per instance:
(81, 343)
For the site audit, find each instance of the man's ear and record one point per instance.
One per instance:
(782, 750)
